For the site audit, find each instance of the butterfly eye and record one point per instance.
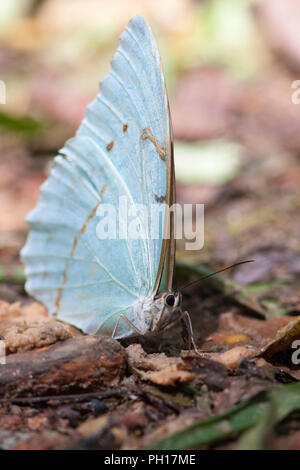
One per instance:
(170, 300)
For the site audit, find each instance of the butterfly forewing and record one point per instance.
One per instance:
(121, 150)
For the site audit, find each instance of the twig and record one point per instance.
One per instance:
(75, 397)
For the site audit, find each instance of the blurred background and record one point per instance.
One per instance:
(229, 65)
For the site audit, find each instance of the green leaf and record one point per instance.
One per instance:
(280, 349)
(258, 417)
(258, 436)
(12, 275)
(25, 124)
(214, 429)
(19, 275)
(2, 273)
(282, 402)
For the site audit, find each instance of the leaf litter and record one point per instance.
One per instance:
(74, 391)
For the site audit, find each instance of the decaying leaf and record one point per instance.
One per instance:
(29, 327)
(235, 329)
(158, 368)
(232, 358)
(24, 338)
(92, 426)
(280, 349)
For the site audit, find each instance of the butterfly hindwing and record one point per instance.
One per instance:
(121, 149)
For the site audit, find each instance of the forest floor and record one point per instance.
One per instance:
(62, 389)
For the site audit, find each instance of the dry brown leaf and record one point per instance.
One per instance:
(158, 368)
(282, 343)
(249, 331)
(92, 426)
(106, 428)
(232, 358)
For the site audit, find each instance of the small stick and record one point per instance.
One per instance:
(75, 397)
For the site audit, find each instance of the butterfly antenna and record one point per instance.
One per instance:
(216, 272)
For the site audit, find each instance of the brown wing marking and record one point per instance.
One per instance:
(74, 245)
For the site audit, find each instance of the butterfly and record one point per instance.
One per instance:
(123, 147)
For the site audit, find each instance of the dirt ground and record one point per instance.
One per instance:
(63, 389)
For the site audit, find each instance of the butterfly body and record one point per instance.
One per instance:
(154, 315)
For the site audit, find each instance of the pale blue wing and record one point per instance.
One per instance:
(122, 148)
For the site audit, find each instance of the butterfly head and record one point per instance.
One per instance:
(166, 310)
(172, 299)
(154, 314)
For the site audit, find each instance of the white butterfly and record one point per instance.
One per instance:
(123, 147)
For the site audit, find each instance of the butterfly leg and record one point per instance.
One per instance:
(188, 323)
(139, 332)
